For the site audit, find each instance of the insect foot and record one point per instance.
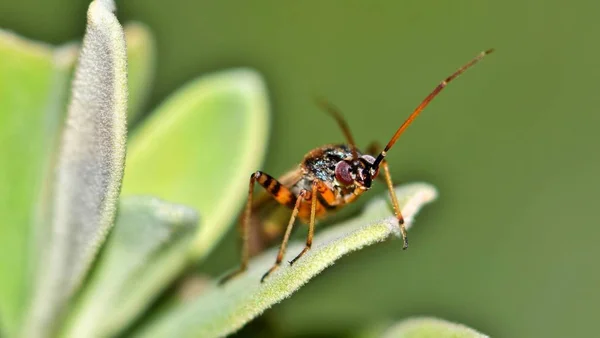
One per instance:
(273, 268)
(306, 248)
(404, 234)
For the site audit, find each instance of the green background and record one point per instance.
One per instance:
(511, 246)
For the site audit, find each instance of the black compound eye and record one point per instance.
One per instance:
(342, 173)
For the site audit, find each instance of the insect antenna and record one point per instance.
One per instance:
(335, 113)
(424, 104)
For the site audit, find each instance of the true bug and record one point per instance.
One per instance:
(328, 178)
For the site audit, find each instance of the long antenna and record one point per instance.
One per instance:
(424, 104)
(335, 113)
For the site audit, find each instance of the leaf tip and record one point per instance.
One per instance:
(249, 81)
(106, 5)
(426, 194)
(431, 327)
(176, 214)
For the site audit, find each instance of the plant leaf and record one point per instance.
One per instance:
(223, 310)
(430, 328)
(151, 280)
(90, 168)
(211, 134)
(33, 81)
(141, 60)
(25, 79)
(146, 228)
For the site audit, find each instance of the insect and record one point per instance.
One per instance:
(327, 179)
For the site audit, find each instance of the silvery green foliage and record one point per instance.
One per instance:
(146, 228)
(220, 311)
(90, 168)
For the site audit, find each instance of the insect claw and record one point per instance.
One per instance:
(403, 231)
(273, 268)
(306, 248)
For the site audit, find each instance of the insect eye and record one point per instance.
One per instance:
(342, 173)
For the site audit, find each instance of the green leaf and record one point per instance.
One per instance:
(141, 57)
(223, 310)
(430, 328)
(151, 280)
(89, 169)
(33, 82)
(25, 79)
(200, 147)
(146, 229)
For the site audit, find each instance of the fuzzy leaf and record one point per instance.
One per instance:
(141, 59)
(89, 170)
(223, 310)
(148, 284)
(212, 133)
(146, 229)
(33, 82)
(430, 328)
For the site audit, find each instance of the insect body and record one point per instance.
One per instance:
(330, 169)
(328, 178)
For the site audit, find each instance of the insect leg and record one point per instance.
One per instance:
(279, 192)
(311, 225)
(286, 237)
(335, 113)
(397, 211)
(374, 148)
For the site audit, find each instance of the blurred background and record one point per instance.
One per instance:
(511, 246)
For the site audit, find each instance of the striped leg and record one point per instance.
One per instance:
(280, 193)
